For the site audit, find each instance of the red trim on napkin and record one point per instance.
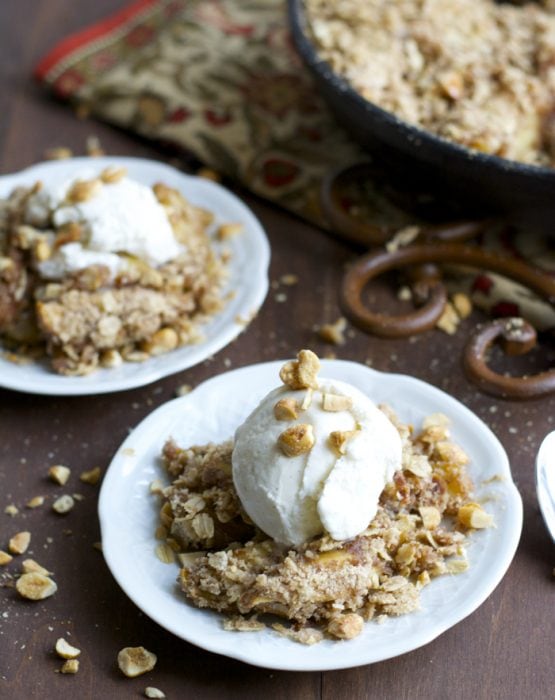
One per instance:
(86, 36)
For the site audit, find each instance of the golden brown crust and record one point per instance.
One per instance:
(478, 73)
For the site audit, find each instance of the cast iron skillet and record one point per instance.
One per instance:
(481, 181)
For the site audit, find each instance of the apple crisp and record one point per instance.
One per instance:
(94, 316)
(323, 588)
(478, 73)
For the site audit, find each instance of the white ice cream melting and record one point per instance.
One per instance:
(293, 499)
(123, 217)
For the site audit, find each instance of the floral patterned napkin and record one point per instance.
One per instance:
(221, 79)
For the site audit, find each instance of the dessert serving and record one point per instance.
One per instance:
(477, 73)
(325, 511)
(97, 268)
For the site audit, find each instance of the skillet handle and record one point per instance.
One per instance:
(370, 266)
(374, 264)
(517, 338)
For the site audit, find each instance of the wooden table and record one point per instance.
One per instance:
(504, 650)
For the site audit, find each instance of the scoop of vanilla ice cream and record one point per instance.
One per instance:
(293, 499)
(122, 217)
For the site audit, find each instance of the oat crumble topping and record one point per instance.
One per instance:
(478, 73)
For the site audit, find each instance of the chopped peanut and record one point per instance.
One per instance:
(449, 452)
(70, 666)
(112, 174)
(5, 558)
(35, 502)
(346, 626)
(286, 409)
(164, 340)
(334, 402)
(301, 373)
(296, 440)
(65, 650)
(457, 566)
(462, 304)
(338, 440)
(449, 320)
(402, 238)
(431, 517)
(156, 487)
(227, 231)
(419, 466)
(134, 661)
(63, 504)
(19, 543)
(111, 358)
(334, 332)
(92, 476)
(41, 250)
(59, 474)
(474, 516)
(25, 236)
(435, 420)
(289, 279)
(6, 264)
(83, 190)
(30, 566)
(68, 233)
(35, 586)
(151, 692)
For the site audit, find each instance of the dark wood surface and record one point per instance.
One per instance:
(503, 650)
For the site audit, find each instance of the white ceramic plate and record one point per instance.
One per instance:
(128, 518)
(248, 276)
(545, 481)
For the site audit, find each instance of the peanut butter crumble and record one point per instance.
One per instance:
(477, 73)
(324, 588)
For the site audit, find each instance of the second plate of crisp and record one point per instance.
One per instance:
(64, 313)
